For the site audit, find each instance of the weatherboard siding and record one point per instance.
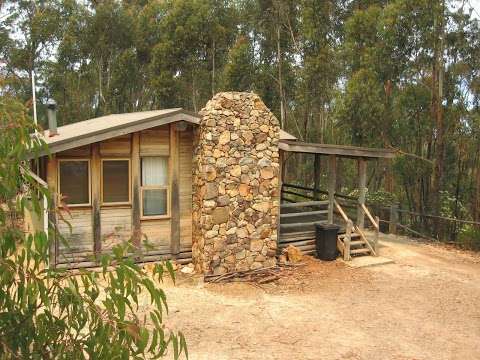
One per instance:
(117, 221)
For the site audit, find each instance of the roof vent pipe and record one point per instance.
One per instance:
(52, 117)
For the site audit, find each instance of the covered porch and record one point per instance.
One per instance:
(303, 205)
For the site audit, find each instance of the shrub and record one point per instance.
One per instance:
(47, 313)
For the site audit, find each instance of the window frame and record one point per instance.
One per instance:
(156, 187)
(89, 176)
(129, 202)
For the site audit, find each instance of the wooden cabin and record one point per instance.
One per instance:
(122, 177)
(130, 177)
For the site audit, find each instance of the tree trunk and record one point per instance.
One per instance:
(437, 113)
(280, 79)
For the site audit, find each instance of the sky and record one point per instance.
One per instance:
(473, 3)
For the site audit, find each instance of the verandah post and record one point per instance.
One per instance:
(332, 181)
(362, 189)
(175, 195)
(317, 174)
(136, 234)
(96, 174)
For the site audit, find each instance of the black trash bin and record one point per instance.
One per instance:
(326, 241)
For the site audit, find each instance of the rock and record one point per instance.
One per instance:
(261, 147)
(217, 153)
(224, 137)
(293, 254)
(211, 234)
(241, 254)
(256, 266)
(189, 269)
(263, 206)
(223, 200)
(220, 215)
(242, 233)
(235, 185)
(243, 190)
(232, 231)
(267, 172)
(247, 161)
(264, 162)
(256, 245)
(210, 172)
(247, 136)
(211, 191)
(236, 171)
(264, 128)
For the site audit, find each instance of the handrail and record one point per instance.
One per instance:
(366, 240)
(340, 210)
(306, 188)
(370, 217)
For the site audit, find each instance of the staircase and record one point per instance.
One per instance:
(354, 242)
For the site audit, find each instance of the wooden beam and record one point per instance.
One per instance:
(175, 190)
(304, 203)
(316, 176)
(332, 181)
(339, 150)
(306, 213)
(136, 226)
(362, 190)
(96, 201)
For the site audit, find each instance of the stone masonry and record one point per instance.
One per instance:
(235, 185)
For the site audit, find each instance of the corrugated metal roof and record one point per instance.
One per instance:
(109, 126)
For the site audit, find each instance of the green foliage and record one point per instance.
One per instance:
(47, 313)
(361, 72)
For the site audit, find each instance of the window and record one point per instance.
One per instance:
(74, 181)
(115, 181)
(155, 186)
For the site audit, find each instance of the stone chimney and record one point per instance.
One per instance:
(235, 185)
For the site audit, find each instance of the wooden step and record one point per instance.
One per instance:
(352, 236)
(357, 242)
(360, 251)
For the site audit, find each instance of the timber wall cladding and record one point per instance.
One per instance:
(185, 189)
(116, 220)
(80, 237)
(235, 185)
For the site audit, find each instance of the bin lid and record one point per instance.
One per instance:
(328, 226)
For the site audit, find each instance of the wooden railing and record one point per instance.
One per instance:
(350, 226)
(376, 225)
(345, 247)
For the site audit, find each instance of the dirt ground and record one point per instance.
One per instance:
(426, 305)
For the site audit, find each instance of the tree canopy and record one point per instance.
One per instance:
(400, 74)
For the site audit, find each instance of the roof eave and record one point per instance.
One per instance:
(123, 129)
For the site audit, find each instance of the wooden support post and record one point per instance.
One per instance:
(136, 226)
(362, 189)
(392, 227)
(317, 174)
(348, 239)
(96, 194)
(377, 230)
(175, 192)
(52, 211)
(52, 230)
(281, 160)
(332, 181)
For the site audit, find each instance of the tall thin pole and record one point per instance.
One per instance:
(34, 100)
